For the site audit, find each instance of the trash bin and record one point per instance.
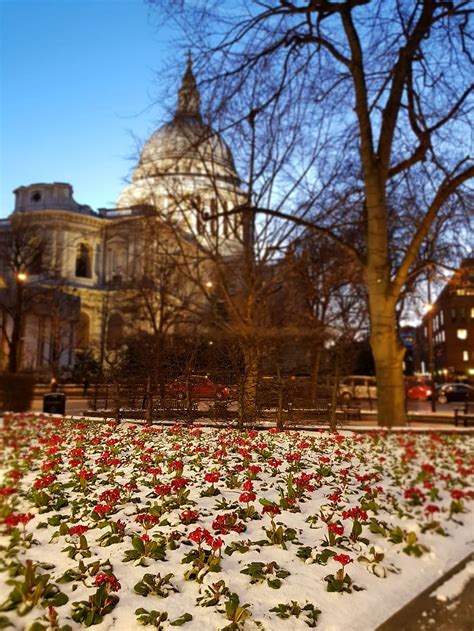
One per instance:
(54, 403)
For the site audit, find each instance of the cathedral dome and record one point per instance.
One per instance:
(183, 156)
(186, 138)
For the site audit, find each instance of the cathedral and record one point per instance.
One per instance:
(105, 264)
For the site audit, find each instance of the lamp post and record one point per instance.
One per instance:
(431, 363)
(20, 280)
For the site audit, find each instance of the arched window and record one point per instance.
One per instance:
(114, 330)
(83, 331)
(83, 261)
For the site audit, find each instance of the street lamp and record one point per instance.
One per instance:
(21, 277)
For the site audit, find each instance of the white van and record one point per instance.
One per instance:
(358, 387)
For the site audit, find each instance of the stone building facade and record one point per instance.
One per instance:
(449, 327)
(106, 259)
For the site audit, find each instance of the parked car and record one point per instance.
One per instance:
(357, 387)
(421, 391)
(200, 387)
(454, 392)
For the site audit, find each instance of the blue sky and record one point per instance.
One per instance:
(77, 79)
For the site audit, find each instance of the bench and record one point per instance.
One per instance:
(465, 414)
(306, 410)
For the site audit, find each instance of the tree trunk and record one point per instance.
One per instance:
(248, 395)
(15, 344)
(388, 355)
(315, 363)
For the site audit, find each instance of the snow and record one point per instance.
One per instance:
(377, 467)
(454, 586)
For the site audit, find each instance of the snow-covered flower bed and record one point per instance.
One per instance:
(126, 526)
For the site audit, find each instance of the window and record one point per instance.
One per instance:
(453, 313)
(114, 330)
(462, 313)
(36, 196)
(441, 317)
(465, 356)
(472, 312)
(83, 261)
(461, 334)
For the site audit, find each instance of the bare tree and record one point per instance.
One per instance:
(382, 90)
(21, 255)
(326, 298)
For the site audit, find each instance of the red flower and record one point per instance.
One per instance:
(147, 520)
(336, 529)
(228, 522)
(84, 474)
(248, 485)
(212, 477)
(130, 486)
(217, 543)
(176, 465)
(102, 509)
(428, 468)
(247, 497)
(457, 494)
(254, 469)
(5, 491)
(271, 509)
(162, 489)
(414, 495)
(355, 513)
(179, 483)
(189, 516)
(13, 520)
(274, 463)
(343, 559)
(432, 508)
(110, 495)
(78, 530)
(199, 535)
(154, 470)
(44, 482)
(109, 580)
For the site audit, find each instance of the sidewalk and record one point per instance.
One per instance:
(447, 605)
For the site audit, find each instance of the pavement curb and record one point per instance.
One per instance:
(409, 617)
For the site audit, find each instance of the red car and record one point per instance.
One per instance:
(421, 391)
(200, 387)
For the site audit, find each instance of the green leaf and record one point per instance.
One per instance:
(138, 545)
(186, 617)
(356, 529)
(274, 583)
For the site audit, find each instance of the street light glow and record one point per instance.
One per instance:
(21, 277)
